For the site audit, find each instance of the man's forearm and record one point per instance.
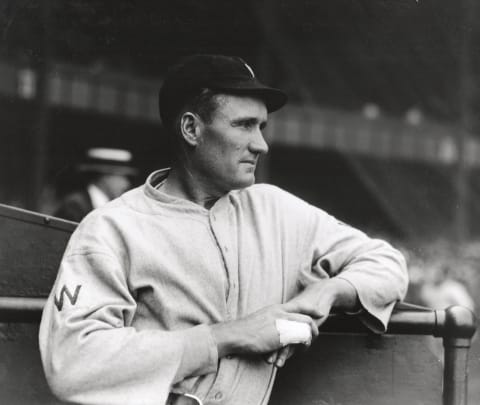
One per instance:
(346, 297)
(320, 297)
(257, 333)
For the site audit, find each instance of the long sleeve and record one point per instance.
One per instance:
(376, 270)
(91, 354)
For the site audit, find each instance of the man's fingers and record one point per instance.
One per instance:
(292, 306)
(271, 357)
(282, 356)
(320, 321)
(298, 306)
(305, 319)
(293, 332)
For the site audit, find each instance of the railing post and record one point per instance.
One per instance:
(457, 328)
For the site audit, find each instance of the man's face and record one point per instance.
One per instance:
(229, 146)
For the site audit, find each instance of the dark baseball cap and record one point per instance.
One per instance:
(219, 73)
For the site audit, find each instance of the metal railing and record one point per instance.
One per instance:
(456, 325)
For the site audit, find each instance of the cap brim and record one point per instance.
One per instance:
(274, 98)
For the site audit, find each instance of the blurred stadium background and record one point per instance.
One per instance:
(382, 129)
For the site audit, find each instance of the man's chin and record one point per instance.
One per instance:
(246, 182)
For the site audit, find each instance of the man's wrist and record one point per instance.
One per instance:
(230, 338)
(345, 295)
(224, 339)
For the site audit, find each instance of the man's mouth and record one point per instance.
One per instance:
(250, 161)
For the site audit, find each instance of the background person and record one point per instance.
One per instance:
(107, 173)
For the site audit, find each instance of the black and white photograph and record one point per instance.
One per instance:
(220, 202)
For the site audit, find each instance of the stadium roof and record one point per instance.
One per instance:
(340, 54)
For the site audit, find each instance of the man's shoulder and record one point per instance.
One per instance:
(119, 208)
(105, 226)
(271, 195)
(264, 189)
(272, 191)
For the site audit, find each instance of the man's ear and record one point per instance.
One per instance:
(190, 128)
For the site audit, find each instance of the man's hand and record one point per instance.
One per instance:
(318, 299)
(257, 333)
(280, 356)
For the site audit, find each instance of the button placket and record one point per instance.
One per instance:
(220, 228)
(222, 221)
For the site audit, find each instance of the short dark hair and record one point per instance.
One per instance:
(205, 104)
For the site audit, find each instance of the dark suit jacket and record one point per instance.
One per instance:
(75, 206)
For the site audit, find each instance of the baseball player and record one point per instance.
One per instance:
(199, 284)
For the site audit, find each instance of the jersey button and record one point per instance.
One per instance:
(218, 396)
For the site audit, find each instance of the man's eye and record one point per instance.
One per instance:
(248, 125)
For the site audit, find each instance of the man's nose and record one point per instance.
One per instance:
(258, 144)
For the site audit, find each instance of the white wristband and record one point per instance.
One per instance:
(293, 332)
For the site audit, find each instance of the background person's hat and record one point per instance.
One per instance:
(108, 161)
(215, 72)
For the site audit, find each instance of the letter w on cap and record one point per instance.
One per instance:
(66, 292)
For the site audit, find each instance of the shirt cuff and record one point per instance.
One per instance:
(374, 315)
(200, 354)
